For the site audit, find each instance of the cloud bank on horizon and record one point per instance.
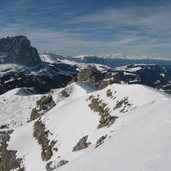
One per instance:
(91, 26)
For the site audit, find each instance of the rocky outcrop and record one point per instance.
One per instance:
(106, 120)
(44, 104)
(65, 93)
(90, 74)
(151, 75)
(62, 162)
(8, 159)
(18, 49)
(100, 141)
(96, 105)
(82, 144)
(49, 167)
(41, 135)
(123, 104)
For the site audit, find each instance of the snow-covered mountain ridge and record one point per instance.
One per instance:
(121, 127)
(123, 56)
(22, 66)
(111, 60)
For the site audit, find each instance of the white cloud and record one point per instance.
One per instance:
(150, 32)
(157, 18)
(46, 39)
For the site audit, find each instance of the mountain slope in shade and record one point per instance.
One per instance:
(151, 72)
(18, 50)
(121, 127)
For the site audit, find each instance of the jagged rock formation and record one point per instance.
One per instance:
(8, 159)
(96, 105)
(123, 104)
(44, 104)
(92, 75)
(42, 136)
(100, 141)
(82, 144)
(48, 166)
(151, 75)
(62, 162)
(18, 49)
(65, 93)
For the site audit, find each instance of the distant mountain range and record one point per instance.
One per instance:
(22, 66)
(111, 60)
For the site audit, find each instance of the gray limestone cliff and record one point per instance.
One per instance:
(18, 50)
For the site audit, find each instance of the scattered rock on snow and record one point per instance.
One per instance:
(62, 162)
(49, 167)
(100, 140)
(42, 136)
(104, 112)
(8, 159)
(124, 103)
(44, 104)
(65, 93)
(82, 144)
(106, 121)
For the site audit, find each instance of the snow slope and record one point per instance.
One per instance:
(16, 106)
(139, 139)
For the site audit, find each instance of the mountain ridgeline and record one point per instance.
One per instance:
(22, 66)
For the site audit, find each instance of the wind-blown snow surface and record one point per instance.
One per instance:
(139, 139)
(15, 106)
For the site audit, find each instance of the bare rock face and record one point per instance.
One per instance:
(62, 162)
(44, 104)
(42, 137)
(8, 159)
(82, 144)
(65, 93)
(90, 74)
(100, 141)
(18, 49)
(96, 105)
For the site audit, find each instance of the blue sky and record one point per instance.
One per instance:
(75, 27)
